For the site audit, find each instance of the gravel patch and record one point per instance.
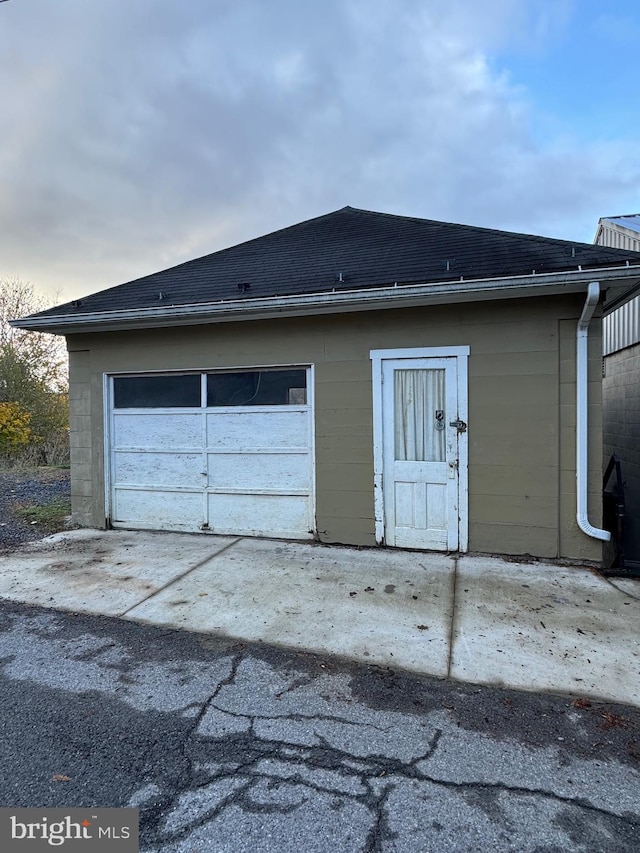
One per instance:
(20, 489)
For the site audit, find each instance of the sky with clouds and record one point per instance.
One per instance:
(137, 135)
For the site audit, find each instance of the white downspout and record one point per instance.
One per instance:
(582, 414)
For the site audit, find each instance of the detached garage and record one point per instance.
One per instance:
(359, 378)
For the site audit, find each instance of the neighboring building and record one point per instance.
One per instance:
(359, 378)
(621, 380)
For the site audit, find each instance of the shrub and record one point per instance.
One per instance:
(15, 430)
(33, 381)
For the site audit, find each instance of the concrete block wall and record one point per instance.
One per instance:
(621, 431)
(80, 436)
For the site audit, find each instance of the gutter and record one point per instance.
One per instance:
(582, 415)
(326, 302)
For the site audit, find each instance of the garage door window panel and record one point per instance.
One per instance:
(257, 388)
(157, 392)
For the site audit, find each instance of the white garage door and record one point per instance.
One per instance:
(222, 452)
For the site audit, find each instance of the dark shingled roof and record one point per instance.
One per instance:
(368, 249)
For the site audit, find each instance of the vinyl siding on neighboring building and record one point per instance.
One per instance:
(621, 382)
(621, 328)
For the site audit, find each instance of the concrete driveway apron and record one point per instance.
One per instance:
(479, 619)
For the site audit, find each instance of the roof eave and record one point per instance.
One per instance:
(363, 299)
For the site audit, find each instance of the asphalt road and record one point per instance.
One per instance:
(228, 747)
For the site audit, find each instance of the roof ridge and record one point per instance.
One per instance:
(478, 228)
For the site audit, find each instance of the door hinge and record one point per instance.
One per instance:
(459, 425)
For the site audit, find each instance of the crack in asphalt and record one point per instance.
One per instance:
(229, 679)
(299, 718)
(380, 831)
(306, 760)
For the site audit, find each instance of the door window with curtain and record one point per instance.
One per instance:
(419, 394)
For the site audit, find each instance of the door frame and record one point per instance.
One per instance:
(461, 354)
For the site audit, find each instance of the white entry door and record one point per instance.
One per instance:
(421, 436)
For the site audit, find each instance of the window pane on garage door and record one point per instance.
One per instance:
(156, 392)
(257, 388)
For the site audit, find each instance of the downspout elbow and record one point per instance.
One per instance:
(582, 415)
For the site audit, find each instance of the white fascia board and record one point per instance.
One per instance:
(364, 299)
(598, 231)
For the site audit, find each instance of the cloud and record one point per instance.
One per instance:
(141, 134)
